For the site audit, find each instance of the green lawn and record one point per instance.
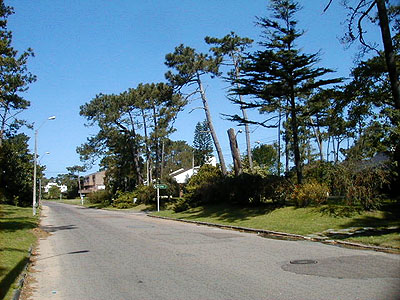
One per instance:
(16, 237)
(303, 221)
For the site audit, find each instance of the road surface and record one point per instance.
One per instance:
(98, 254)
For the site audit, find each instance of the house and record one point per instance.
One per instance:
(63, 188)
(93, 182)
(182, 176)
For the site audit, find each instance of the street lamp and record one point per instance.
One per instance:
(40, 180)
(34, 165)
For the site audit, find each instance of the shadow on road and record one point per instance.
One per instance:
(51, 228)
(68, 253)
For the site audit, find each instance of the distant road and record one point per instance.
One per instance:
(98, 254)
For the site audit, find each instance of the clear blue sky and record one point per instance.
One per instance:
(86, 47)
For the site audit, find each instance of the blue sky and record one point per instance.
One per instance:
(86, 47)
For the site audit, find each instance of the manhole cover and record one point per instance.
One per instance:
(303, 262)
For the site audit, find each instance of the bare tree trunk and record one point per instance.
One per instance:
(157, 169)
(318, 138)
(389, 53)
(244, 112)
(135, 153)
(3, 125)
(279, 142)
(211, 126)
(286, 146)
(296, 149)
(237, 164)
(146, 141)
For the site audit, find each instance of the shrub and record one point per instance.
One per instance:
(101, 196)
(358, 182)
(146, 194)
(173, 186)
(251, 189)
(310, 193)
(204, 187)
(124, 200)
(366, 187)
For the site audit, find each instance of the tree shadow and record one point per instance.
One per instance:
(51, 228)
(9, 279)
(231, 213)
(371, 221)
(17, 224)
(68, 253)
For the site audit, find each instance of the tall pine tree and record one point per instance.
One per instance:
(202, 144)
(281, 76)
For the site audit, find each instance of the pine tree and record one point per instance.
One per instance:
(202, 144)
(14, 77)
(280, 76)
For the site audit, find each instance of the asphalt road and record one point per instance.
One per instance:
(97, 254)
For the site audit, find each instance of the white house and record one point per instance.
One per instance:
(63, 188)
(182, 176)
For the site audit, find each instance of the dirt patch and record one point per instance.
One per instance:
(40, 233)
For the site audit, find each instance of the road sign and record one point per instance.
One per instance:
(161, 186)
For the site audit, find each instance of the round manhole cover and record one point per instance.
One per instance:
(303, 262)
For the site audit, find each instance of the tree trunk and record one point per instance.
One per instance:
(157, 144)
(279, 142)
(296, 149)
(211, 126)
(135, 153)
(146, 141)
(237, 164)
(244, 112)
(3, 125)
(389, 53)
(318, 138)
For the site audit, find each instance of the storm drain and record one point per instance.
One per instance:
(303, 262)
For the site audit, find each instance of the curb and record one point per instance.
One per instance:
(283, 235)
(21, 281)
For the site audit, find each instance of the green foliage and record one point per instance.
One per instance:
(120, 142)
(366, 187)
(100, 197)
(14, 78)
(251, 189)
(202, 143)
(280, 77)
(16, 171)
(310, 193)
(173, 187)
(146, 194)
(124, 200)
(204, 186)
(209, 186)
(54, 192)
(177, 155)
(357, 182)
(266, 157)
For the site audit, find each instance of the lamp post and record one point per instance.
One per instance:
(34, 166)
(40, 181)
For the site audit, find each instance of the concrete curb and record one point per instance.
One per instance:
(22, 277)
(283, 235)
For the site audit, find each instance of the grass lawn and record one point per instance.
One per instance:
(303, 221)
(16, 236)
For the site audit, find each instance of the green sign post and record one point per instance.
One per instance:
(161, 186)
